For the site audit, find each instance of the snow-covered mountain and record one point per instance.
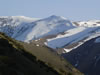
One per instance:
(26, 29)
(66, 35)
(73, 38)
(11, 24)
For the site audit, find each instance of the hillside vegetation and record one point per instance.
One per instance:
(18, 58)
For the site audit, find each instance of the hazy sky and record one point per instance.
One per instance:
(71, 9)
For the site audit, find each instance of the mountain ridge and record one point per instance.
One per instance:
(48, 25)
(55, 33)
(27, 29)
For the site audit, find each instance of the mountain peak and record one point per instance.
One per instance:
(57, 17)
(54, 18)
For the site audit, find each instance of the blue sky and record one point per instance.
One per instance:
(71, 9)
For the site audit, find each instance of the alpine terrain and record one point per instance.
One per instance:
(55, 37)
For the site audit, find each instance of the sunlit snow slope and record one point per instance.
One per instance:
(26, 29)
(75, 37)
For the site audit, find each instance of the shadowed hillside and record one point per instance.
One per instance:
(86, 58)
(15, 62)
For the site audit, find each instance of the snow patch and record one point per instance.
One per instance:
(37, 45)
(97, 40)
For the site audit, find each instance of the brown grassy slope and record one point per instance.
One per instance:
(14, 62)
(46, 55)
(51, 58)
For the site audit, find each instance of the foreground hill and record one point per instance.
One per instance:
(15, 60)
